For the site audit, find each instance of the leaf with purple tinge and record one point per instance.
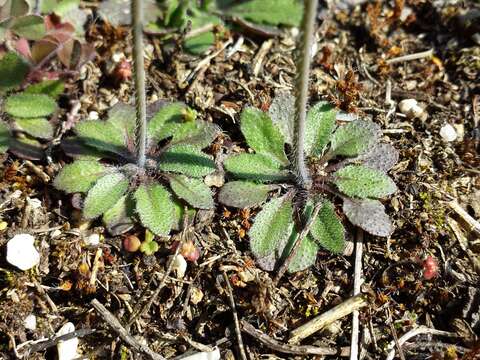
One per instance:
(381, 157)
(369, 215)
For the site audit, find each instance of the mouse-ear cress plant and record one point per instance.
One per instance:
(327, 163)
(146, 166)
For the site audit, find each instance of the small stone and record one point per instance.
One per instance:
(3, 225)
(216, 179)
(179, 266)
(93, 239)
(117, 57)
(196, 295)
(21, 252)
(67, 350)
(448, 133)
(412, 109)
(93, 115)
(30, 322)
(55, 233)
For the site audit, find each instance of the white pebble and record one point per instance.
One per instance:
(205, 355)
(30, 322)
(93, 115)
(21, 252)
(179, 266)
(448, 133)
(117, 57)
(93, 239)
(412, 109)
(67, 350)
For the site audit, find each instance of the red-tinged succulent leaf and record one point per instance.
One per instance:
(41, 49)
(23, 48)
(30, 27)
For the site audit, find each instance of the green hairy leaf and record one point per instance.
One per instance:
(118, 219)
(261, 134)
(13, 70)
(122, 117)
(155, 208)
(355, 138)
(319, 125)
(381, 157)
(257, 167)
(193, 191)
(164, 122)
(179, 214)
(271, 12)
(272, 226)
(31, 27)
(187, 160)
(328, 230)
(104, 194)
(200, 43)
(363, 182)
(196, 133)
(4, 137)
(30, 105)
(369, 215)
(59, 7)
(102, 135)
(243, 194)
(52, 88)
(39, 128)
(282, 113)
(306, 255)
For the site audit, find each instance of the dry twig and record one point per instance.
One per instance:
(288, 348)
(357, 282)
(319, 322)
(238, 333)
(111, 320)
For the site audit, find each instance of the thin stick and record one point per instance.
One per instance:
(414, 332)
(111, 320)
(290, 349)
(319, 322)
(301, 88)
(409, 57)
(473, 225)
(357, 283)
(306, 229)
(241, 348)
(139, 78)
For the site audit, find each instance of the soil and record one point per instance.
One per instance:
(355, 66)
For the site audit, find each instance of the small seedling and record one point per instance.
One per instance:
(28, 111)
(147, 167)
(202, 19)
(347, 161)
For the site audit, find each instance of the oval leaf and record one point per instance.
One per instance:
(193, 191)
(118, 219)
(328, 230)
(13, 70)
(306, 255)
(104, 194)
(187, 160)
(163, 123)
(262, 135)
(282, 113)
(363, 182)
(382, 157)
(257, 167)
(355, 138)
(243, 194)
(319, 125)
(369, 215)
(5, 137)
(30, 105)
(79, 176)
(36, 127)
(272, 225)
(31, 27)
(155, 208)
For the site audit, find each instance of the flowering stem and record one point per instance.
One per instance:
(139, 78)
